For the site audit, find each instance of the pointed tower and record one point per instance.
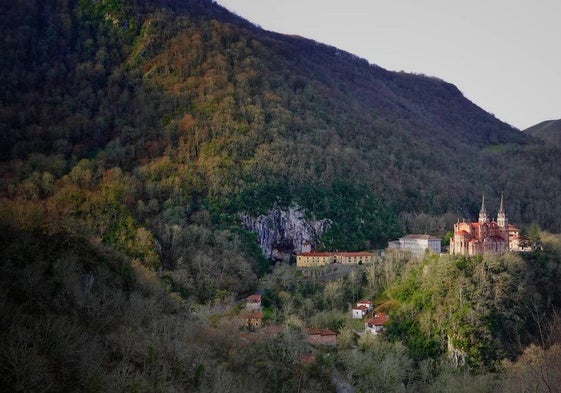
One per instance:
(502, 220)
(483, 213)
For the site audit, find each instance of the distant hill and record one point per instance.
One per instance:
(548, 131)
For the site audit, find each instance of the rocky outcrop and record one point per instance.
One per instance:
(282, 233)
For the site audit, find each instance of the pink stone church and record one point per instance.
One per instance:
(485, 236)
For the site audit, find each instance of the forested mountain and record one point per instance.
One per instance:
(549, 131)
(154, 119)
(218, 114)
(138, 138)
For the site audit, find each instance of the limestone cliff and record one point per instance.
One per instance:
(282, 233)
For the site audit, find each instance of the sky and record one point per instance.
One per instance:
(504, 55)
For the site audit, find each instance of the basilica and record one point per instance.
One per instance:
(485, 236)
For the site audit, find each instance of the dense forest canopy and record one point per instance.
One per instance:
(203, 109)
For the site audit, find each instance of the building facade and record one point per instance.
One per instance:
(418, 245)
(485, 236)
(376, 324)
(315, 259)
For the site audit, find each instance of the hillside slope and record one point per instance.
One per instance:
(140, 139)
(548, 131)
(155, 119)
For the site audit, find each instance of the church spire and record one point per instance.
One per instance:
(501, 216)
(501, 207)
(483, 213)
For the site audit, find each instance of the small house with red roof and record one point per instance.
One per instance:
(321, 337)
(359, 312)
(362, 308)
(376, 324)
(253, 302)
(365, 303)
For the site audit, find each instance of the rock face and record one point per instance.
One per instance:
(282, 233)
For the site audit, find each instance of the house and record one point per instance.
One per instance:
(366, 303)
(485, 236)
(359, 312)
(321, 337)
(362, 308)
(315, 259)
(376, 324)
(418, 245)
(251, 319)
(253, 302)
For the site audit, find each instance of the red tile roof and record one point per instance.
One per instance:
(327, 332)
(317, 254)
(333, 253)
(253, 298)
(379, 319)
(355, 254)
(321, 332)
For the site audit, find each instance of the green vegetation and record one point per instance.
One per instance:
(80, 316)
(133, 135)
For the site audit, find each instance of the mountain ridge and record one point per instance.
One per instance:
(548, 131)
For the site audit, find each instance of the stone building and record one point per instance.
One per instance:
(315, 259)
(418, 245)
(485, 236)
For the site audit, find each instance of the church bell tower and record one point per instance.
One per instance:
(502, 220)
(483, 213)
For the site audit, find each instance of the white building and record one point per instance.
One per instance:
(418, 245)
(366, 303)
(362, 308)
(359, 312)
(376, 324)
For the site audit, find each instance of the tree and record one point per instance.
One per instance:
(333, 293)
(534, 237)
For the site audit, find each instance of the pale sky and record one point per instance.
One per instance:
(504, 55)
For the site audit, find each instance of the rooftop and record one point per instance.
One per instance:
(378, 320)
(419, 237)
(256, 298)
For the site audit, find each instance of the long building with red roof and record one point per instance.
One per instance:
(314, 259)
